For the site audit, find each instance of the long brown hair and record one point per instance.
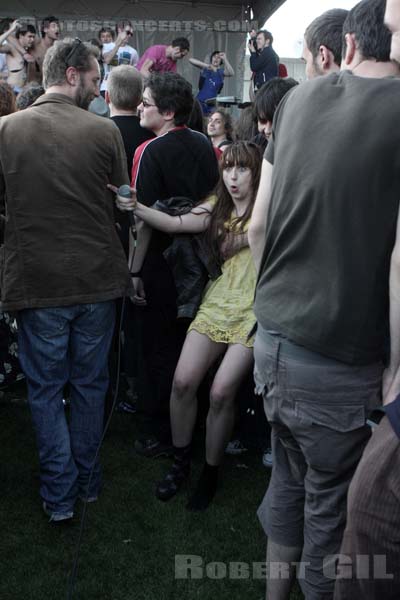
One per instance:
(241, 154)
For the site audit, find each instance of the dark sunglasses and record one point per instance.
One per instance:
(74, 48)
(128, 32)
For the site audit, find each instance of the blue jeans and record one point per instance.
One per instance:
(57, 346)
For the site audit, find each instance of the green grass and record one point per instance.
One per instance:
(131, 539)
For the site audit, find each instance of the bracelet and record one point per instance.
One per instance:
(137, 274)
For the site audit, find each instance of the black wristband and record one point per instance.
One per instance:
(137, 274)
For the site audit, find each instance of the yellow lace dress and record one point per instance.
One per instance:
(226, 312)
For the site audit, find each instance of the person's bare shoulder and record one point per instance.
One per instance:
(38, 51)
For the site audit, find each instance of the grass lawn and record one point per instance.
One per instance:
(131, 539)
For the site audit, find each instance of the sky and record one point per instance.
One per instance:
(288, 23)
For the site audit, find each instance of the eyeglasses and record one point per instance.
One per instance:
(128, 32)
(147, 104)
(75, 46)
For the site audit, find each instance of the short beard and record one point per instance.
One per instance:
(82, 98)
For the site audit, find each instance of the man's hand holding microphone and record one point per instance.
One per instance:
(126, 201)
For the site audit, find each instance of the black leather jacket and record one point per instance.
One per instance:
(189, 260)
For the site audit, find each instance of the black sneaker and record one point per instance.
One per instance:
(127, 407)
(153, 448)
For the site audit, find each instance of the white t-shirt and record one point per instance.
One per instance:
(126, 55)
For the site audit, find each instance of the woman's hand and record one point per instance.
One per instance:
(122, 202)
(233, 243)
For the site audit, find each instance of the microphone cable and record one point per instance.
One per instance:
(73, 576)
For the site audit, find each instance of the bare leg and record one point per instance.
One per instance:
(281, 570)
(198, 354)
(235, 366)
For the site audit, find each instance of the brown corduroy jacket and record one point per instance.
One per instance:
(60, 243)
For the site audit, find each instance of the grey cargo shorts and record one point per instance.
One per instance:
(317, 408)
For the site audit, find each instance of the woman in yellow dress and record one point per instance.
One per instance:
(223, 321)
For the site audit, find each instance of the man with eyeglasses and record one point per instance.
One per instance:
(177, 162)
(63, 266)
(119, 52)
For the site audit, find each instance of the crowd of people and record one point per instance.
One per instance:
(271, 240)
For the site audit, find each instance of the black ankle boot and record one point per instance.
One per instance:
(178, 473)
(205, 489)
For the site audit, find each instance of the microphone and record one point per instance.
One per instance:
(125, 192)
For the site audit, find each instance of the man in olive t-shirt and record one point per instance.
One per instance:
(322, 235)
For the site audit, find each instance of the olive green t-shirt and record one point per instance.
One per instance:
(331, 223)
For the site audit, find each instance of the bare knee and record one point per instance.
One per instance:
(221, 399)
(182, 386)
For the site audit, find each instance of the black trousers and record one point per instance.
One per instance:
(158, 349)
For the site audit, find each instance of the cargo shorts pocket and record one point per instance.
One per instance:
(338, 416)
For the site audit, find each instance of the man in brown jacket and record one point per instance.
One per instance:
(62, 265)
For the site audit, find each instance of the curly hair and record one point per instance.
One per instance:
(228, 123)
(181, 43)
(29, 95)
(171, 92)
(7, 100)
